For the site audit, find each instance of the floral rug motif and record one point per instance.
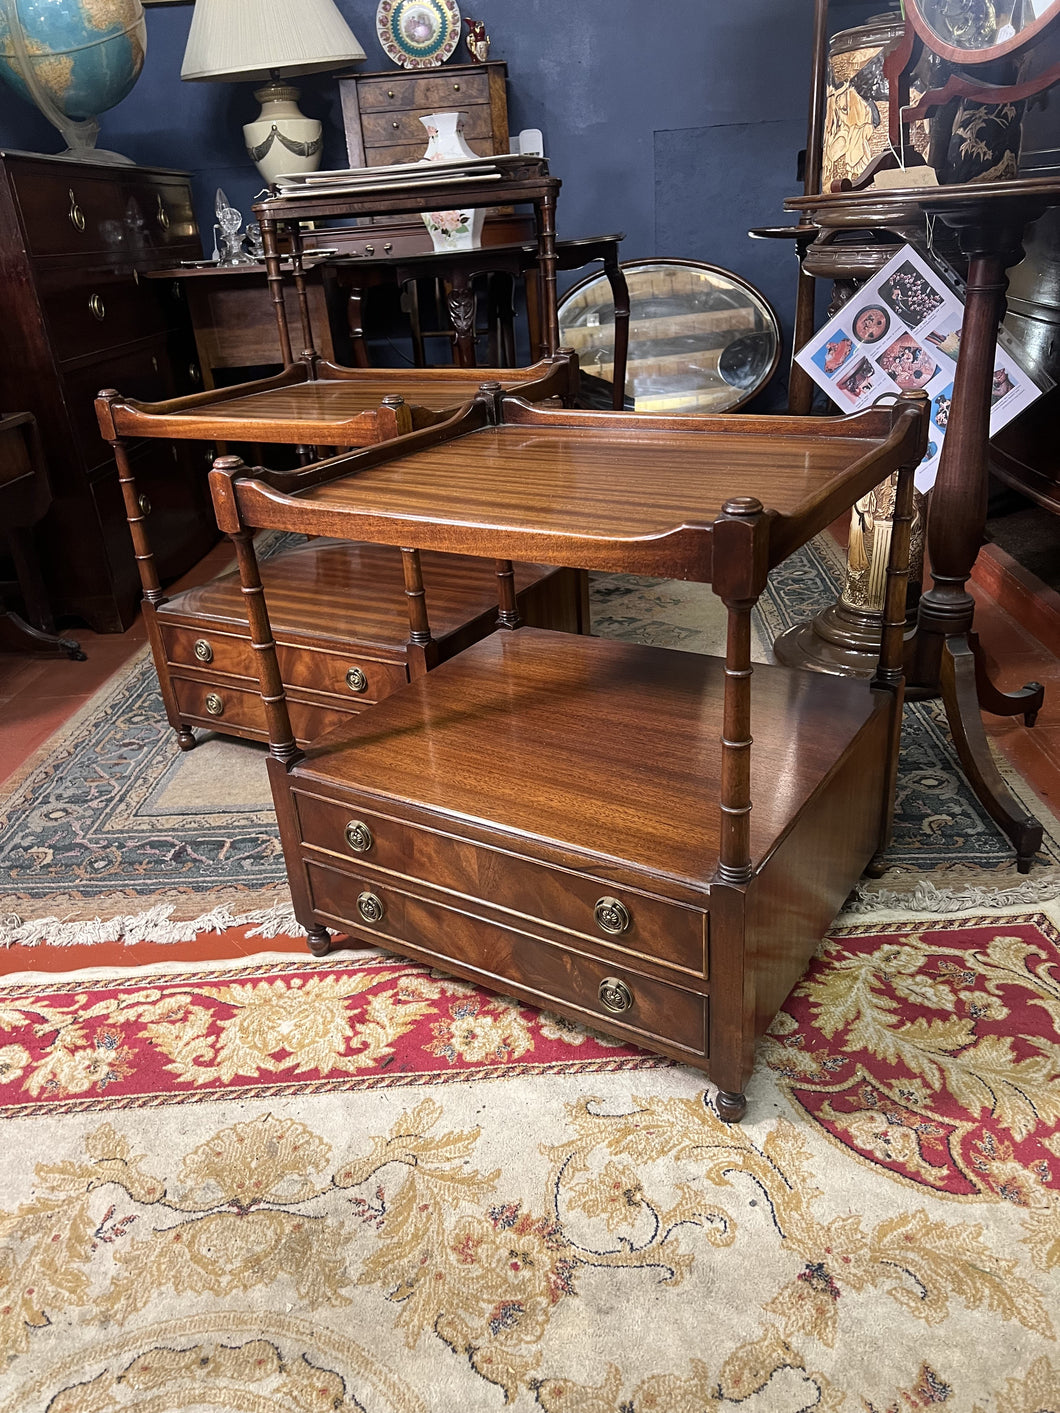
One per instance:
(355, 1185)
(113, 820)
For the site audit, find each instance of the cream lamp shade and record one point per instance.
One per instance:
(266, 39)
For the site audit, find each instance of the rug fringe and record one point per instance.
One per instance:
(926, 898)
(155, 925)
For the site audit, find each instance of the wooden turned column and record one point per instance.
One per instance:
(422, 649)
(274, 274)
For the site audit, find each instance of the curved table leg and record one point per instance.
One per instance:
(961, 699)
(1027, 702)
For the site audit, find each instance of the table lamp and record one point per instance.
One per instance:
(268, 39)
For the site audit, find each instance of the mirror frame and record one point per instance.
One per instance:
(978, 56)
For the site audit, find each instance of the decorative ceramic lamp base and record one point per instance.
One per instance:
(450, 230)
(844, 639)
(282, 139)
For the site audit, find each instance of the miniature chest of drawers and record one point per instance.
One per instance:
(75, 239)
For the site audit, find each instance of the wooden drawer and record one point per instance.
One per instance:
(69, 212)
(309, 668)
(242, 713)
(550, 974)
(90, 311)
(160, 209)
(390, 129)
(665, 932)
(142, 371)
(427, 94)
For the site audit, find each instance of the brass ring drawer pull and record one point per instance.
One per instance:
(615, 995)
(144, 502)
(98, 308)
(75, 215)
(612, 916)
(162, 215)
(203, 651)
(359, 836)
(370, 907)
(356, 680)
(215, 704)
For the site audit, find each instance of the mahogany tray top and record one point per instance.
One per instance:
(319, 589)
(583, 488)
(322, 404)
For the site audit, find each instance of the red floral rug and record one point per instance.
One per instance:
(361, 1186)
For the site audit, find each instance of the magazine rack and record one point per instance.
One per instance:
(567, 819)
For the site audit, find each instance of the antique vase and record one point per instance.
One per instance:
(453, 229)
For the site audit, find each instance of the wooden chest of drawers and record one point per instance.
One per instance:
(76, 239)
(382, 112)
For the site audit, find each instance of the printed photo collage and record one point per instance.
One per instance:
(900, 331)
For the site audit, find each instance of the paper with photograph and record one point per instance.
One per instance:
(902, 330)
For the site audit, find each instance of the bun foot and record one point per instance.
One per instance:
(186, 739)
(318, 940)
(730, 1108)
(877, 867)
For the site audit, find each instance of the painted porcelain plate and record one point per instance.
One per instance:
(418, 34)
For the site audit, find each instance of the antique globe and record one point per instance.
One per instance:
(74, 59)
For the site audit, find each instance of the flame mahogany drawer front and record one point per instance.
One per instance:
(348, 675)
(551, 973)
(631, 922)
(379, 94)
(226, 708)
(390, 129)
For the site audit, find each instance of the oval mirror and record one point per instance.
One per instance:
(700, 338)
(976, 31)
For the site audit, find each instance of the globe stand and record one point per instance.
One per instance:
(81, 140)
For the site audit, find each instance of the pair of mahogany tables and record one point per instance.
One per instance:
(590, 826)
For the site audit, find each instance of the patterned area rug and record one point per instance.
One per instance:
(359, 1186)
(112, 822)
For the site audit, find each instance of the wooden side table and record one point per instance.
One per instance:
(566, 819)
(989, 219)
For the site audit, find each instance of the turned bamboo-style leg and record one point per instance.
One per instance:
(275, 278)
(422, 649)
(508, 614)
(739, 574)
(890, 672)
(308, 351)
(137, 509)
(282, 746)
(546, 258)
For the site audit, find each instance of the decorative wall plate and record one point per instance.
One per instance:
(418, 34)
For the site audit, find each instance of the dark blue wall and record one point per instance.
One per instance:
(678, 123)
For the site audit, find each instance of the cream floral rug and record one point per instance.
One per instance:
(355, 1185)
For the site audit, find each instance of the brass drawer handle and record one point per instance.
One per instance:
(215, 704)
(456, 88)
(162, 215)
(75, 215)
(612, 916)
(615, 995)
(98, 308)
(356, 680)
(154, 363)
(395, 125)
(144, 502)
(369, 250)
(359, 836)
(202, 650)
(370, 907)
(388, 247)
(194, 373)
(390, 93)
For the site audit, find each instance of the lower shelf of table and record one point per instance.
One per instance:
(541, 815)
